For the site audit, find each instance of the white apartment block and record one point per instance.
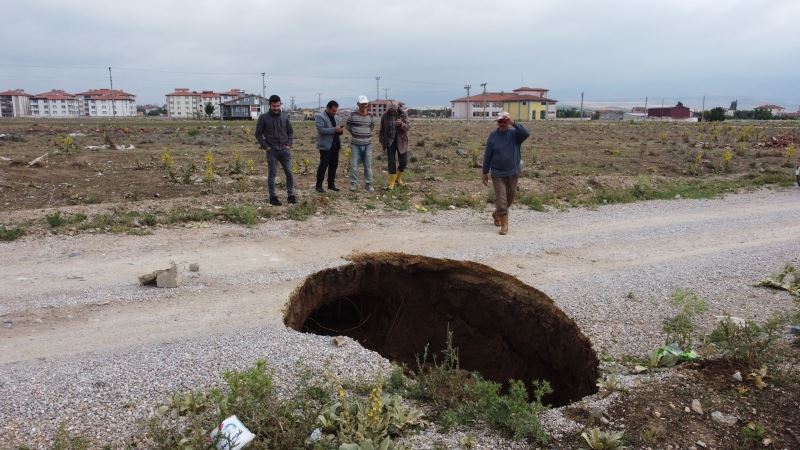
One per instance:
(108, 103)
(184, 103)
(56, 103)
(16, 103)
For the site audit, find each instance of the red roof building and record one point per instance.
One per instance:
(677, 112)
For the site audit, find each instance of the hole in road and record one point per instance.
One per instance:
(396, 304)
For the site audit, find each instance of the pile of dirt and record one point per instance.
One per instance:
(397, 304)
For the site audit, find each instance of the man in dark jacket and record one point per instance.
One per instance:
(275, 135)
(503, 158)
(328, 144)
(393, 136)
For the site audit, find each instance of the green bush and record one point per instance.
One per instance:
(244, 214)
(10, 234)
(751, 342)
(680, 328)
(301, 211)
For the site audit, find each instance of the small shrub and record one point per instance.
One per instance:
(752, 434)
(603, 440)
(168, 164)
(209, 168)
(10, 234)
(301, 211)
(66, 440)
(244, 214)
(727, 157)
(193, 132)
(55, 219)
(680, 329)
(790, 151)
(751, 343)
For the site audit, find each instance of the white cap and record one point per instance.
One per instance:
(503, 115)
(362, 99)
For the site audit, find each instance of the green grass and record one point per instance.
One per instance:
(301, 211)
(56, 219)
(11, 234)
(461, 200)
(243, 214)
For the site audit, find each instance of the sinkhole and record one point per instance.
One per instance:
(396, 304)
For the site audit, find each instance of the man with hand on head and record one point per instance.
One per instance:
(503, 158)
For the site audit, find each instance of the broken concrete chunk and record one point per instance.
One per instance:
(39, 162)
(724, 419)
(194, 267)
(165, 278)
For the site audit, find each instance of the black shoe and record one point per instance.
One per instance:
(333, 188)
(292, 199)
(274, 201)
(320, 190)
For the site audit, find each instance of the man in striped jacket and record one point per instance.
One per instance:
(360, 125)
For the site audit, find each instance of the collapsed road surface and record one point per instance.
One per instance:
(82, 343)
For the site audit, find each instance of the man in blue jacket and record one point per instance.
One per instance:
(328, 144)
(275, 135)
(503, 158)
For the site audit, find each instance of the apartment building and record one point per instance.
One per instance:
(107, 103)
(15, 103)
(186, 103)
(56, 103)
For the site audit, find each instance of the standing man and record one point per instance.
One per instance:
(393, 137)
(275, 135)
(328, 144)
(360, 125)
(503, 157)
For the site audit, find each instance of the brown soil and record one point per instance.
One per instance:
(397, 304)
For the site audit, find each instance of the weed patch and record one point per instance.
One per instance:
(10, 234)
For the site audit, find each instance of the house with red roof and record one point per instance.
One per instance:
(15, 103)
(56, 103)
(776, 110)
(524, 103)
(107, 103)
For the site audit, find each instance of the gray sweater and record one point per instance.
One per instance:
(274, 131)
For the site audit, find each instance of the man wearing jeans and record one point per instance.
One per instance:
(360, 125)
(503, 157)
(275, 135)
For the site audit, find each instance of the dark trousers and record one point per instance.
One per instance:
(328, 160)
(394, 155)
(284, 158)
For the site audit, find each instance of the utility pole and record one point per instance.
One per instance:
(469, 104)
(661, 116)
(319, 100)
(263, 84)
(292, 103)
(702, 115)
(386, 93)
(645, 107)
(113, 102)
(581, 105)
(377, 88)
(483, 85)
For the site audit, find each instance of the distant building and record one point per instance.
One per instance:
(56, 103)
(15, 103)
(107, 103)
(774, 109)
(610, 114)
(677, 112)
(246, 107)
(378, 107)
(523, 103)
(192, 104)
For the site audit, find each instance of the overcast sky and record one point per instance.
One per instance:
(424, 51)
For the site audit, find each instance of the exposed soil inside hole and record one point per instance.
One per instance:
(396, 304)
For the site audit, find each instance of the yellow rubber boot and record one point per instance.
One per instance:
(392, 181)
(400, 179)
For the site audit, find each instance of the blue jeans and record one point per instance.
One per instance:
(284, 157)
(360, 154)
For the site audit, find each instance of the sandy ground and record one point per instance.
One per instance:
(73, 304)
(66, 295)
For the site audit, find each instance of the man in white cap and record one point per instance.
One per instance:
(360, 125)
(503, 158)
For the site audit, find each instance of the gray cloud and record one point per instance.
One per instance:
(424, 51)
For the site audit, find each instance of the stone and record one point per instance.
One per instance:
(194, 267)
(697, 407)
(339, 340)
(164, 278)
(737, 376)
(701, 444)
(687, 410)
(794, 329)
(461, 152)
(169, 278)
(39, 162)
(724, 419)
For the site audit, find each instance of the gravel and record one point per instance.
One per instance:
(104, 394)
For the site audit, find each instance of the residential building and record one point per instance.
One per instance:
(246, 107)
(15, 103)
(378, 107)
(523, 103)
(610, 114)
(107, 103)
(56, 103)
(192, 104)
(774, 109)
(677, 112)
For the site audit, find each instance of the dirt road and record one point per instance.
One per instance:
(67, 295)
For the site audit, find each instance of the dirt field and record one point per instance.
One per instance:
(83, 343)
